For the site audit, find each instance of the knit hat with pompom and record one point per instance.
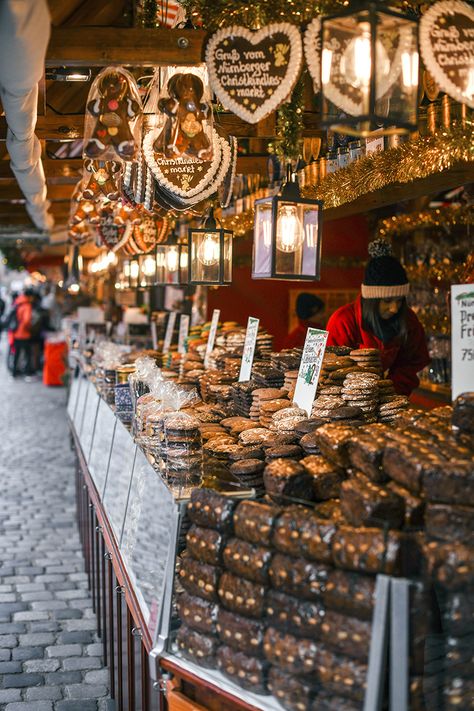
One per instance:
(384, 278)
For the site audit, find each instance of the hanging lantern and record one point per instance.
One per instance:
(147, 270)
(131, 273)
(287, 235)
(74, 268)
(369, 70)
(171, 261)
(210, 253)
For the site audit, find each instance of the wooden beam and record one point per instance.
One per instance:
(55, 192)
(58, 209)
(71, 126)
(101, 46)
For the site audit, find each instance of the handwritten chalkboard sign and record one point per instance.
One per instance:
(447, 47)
(252, 73)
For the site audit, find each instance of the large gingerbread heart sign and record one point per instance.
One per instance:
(252, 73)
(447, 47)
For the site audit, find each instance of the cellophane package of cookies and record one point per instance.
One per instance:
(182, 441)
(113, 121)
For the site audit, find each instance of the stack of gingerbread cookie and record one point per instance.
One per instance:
(266, 395)
(241, 394)
(285, 420)
(392, 407)
(183, 446)
(368, 359)
(289, 383)
(268, 409)
(250, 473)
(360, 389)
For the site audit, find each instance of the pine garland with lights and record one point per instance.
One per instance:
(289, 125)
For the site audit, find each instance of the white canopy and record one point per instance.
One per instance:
(24, 37)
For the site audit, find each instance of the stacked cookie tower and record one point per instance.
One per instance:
(183, 449)
(274, 399)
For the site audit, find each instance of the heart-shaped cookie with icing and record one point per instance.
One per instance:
(252, 73)
(447, 47)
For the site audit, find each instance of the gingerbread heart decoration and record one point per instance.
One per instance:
(312, 51)
(252, 73)
(447, 47)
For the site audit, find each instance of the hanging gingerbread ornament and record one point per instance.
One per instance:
(102, 179)
(113, 116)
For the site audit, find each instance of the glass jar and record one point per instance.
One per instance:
(332, 162)
(342, 157)
(356, 150)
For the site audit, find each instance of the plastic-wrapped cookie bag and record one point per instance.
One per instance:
(183, 444)
(146, 372)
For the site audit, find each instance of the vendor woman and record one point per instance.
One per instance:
(380, 318)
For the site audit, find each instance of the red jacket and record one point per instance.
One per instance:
(23, 314)
(297, 337)
(402, 362)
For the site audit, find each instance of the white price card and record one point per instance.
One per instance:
(462, 339)
(183, 332)
(169, 331)
(154, 335)
(212, 335)
(249, 349)
(310, 367)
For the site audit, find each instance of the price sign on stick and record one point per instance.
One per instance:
(212, 335)
(183, 332)
(154, 335)
(249, 349)
(310, 367)
(169, 331)
(462, 339)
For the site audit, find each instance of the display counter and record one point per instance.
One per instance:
(366, 580)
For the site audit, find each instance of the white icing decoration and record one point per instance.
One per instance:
(427, 22)
(312, 51)
(287, 83)
(155, 167)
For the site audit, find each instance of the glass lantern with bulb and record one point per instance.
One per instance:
(147, 270)
(210, 253)
(131, 273)
(369, 70)
(172, 262)
(287, 235)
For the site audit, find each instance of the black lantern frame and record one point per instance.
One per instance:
(164, 275)
(267, 259)
(391, 113)
(219, 272)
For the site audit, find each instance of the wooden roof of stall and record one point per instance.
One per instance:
(87, 33)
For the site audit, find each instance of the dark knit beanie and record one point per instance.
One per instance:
(384, 277)
(307, 304)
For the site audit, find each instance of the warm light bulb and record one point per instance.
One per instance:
(148, 266)
(172, 259)
(184, 260)
(126, 269)
(289, 236)
(74, 288)
(326, 63)
(134, 270)
(410, 69)
(209, 250)
(356, 62)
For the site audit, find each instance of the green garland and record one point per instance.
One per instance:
(289, 125)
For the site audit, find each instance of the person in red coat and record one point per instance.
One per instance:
(308, 309)
(380, 318)
(22, 333)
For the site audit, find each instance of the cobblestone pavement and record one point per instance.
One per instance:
(50, 655)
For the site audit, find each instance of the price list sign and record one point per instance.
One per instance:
(169, 331)
(310, 367)
(183, 332)
(212, 335)
(462, 339)
(249, 349)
